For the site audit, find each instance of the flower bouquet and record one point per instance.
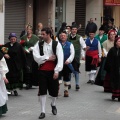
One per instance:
(22, 42)
(4, 50)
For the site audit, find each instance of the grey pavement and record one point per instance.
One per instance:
(89, 103)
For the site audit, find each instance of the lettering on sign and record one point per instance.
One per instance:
(112, 2)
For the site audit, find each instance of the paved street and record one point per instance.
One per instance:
(90, 103)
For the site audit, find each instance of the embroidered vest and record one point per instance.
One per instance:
(48, 65)
(66, 50)
(94, 45)
(77, 46)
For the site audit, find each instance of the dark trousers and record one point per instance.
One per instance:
(46, 82)
(65, 73)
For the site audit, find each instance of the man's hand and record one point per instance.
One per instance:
(55, 76)
(29, 49)
(6, 80)
(83, 58)
(6, 56)
(99, 60)
(66, 62)
(52, 58)
(87, 48)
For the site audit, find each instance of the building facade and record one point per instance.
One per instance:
(2, 21)
(51, 13)
(15, 14)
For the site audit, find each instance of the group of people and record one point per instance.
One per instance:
(17, 65)
(43, 60)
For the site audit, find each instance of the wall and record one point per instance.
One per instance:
(94, 9)
(53, 15)
(70, 11)
(29, 12)
(42, 12)
(2, 24)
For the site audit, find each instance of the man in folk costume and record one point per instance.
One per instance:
(79, 45)
(93, 56)
(49, 56)
(69, 52)
(3, 80)
(101, 36)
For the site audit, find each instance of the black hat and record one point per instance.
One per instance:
(92, 31)
(111, 20)
(74, 23)
(74, 26)
(102, 28)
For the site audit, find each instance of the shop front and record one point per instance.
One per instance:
(15, 17)
(112, 10)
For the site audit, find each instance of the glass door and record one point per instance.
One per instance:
(60, 11)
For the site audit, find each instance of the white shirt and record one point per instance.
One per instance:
(3, 91)
(100, 36)
(83, 45)
(47, 50)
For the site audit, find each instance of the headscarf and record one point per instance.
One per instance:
(116, 41)
(12, 35)
(110, 33)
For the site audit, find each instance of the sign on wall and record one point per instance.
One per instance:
(1, 6)
(112, 2)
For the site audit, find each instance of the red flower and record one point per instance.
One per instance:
(1, 45)
(22, 42)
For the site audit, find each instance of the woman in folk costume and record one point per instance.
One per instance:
(16, 60)
(93, 56)
(107, 45)
(28, 41)
(112, 66)
(3, 80)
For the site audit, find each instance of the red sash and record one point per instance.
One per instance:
(48, 66)
(94, 55)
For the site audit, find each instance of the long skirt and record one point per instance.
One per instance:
(14, 76)
(3, 109)
(116, 93)
(101, 73)
(30, 74)
(107, 84)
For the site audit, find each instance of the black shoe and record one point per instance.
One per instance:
(54, 110)
(113, 98)
(89, 81)
(77, 87)
(119, 99)
(69, 86)
(42, 115)
(15, 93)
(92, 82)
(28, 86)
